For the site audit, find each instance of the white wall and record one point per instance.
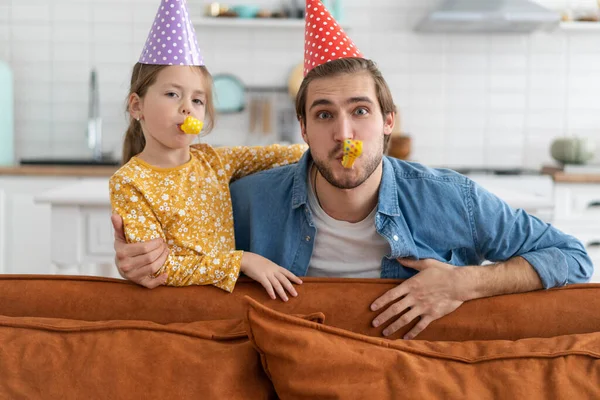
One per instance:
(495, 100)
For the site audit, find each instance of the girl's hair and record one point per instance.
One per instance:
(142, 77)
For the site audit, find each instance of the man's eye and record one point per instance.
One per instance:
(361, 111)
(323, 115)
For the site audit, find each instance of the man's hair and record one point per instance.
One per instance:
(350, 65)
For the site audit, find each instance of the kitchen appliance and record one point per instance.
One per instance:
(6, 115)
(230, 94)
(476, 16)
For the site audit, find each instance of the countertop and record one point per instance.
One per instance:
(55, 170)
(87, 192)
(558, 175)
(106, 171)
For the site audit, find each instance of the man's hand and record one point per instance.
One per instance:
(430, 294)
(139, 261)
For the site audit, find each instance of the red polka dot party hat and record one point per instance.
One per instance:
(172, 38)
(324, 39)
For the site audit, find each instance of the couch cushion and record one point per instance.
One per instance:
(345, 303)
(69, 359)
(353, 366)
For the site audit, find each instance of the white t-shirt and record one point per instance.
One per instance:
(345, 249)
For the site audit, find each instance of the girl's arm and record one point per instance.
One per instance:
(184, 266)
(245, 160)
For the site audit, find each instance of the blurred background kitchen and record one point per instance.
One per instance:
(482, 99)
(490, 100)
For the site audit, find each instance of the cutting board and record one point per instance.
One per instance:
(6, 115)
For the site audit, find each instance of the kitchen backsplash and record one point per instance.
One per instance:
(467, 100)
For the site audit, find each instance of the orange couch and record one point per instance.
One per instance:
(85, 337)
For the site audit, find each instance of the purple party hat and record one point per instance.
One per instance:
(172, 39)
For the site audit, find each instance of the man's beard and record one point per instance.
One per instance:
(369, 166)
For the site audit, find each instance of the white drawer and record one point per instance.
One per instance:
(589, 234)
(596, 276)
(594, 253)
(100, 241)
(577, 202)
(590, 237)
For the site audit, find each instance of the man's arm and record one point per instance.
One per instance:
(138, 262)
(530, 255)
(501, 233)
(512, 276)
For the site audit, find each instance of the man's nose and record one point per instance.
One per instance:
(343, 129)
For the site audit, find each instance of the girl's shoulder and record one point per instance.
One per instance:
(209, 153)
(203, 149)
(132, 170)
(126, 169)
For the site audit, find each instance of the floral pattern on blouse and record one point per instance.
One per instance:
(190, 208)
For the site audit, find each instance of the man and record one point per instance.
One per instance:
(384, 217)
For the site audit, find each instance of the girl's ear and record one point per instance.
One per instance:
(135, 106)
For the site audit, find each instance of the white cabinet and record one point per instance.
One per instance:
(577, 212)
(82, 234)
(25, 225)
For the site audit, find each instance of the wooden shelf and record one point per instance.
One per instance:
(234, 22)
(227, 22)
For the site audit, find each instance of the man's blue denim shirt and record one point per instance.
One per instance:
(422, 212)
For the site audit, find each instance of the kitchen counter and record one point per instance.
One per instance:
(57, 170)
(558, 175)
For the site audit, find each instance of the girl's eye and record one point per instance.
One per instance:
(323, 115)
(198, 101)
(171, 94)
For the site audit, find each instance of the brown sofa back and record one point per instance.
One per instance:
(67, 337)
(344, 302)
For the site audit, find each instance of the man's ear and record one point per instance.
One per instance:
(135, 106)
(303, 130)
(388, 123)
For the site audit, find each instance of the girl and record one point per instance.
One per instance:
(172, 189)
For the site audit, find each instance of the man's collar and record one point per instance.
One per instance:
(300, 188)
(388, 190)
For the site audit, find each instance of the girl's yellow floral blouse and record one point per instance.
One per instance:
(190, 208)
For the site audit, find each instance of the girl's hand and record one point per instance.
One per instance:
(273, 277)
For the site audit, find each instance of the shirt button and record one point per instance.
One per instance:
(396, 238)
(307, 238)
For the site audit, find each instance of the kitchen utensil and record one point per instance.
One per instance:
(246, 10)
(6, 115)
(254, 110)
(573, 150)
(230, 94)
(295, 80)
(296, 9)
(266, 117)
(399, 146)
